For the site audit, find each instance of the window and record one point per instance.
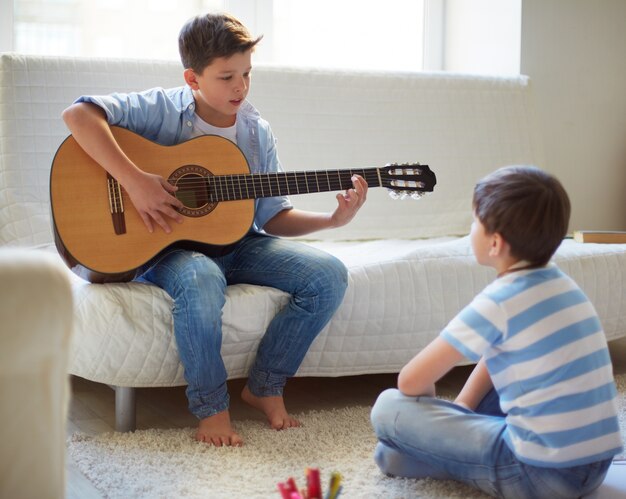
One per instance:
(348, 34)
(392, 35)
(46, 27)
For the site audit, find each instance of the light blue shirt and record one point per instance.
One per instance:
(547, 356)
(165, 116)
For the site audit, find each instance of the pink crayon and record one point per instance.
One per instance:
(314, 488)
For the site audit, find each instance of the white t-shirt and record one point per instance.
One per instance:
(201, 127)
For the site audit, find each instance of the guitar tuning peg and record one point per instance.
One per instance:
(394, 194)
(417, 195)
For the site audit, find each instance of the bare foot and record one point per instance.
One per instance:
(273, 407)
(218, 431)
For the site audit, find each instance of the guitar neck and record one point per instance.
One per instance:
(263, 185)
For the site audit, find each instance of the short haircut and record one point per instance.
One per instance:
(205, 38)
(528, 207)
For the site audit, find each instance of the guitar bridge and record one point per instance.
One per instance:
(116, 205)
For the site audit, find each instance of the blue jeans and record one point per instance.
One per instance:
(197, 284)
(423, 437)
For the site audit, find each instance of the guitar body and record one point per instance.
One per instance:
(102, 247)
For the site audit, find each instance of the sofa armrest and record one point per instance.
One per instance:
(35, 328)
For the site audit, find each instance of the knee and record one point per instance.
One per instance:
(386, 459)
(330, 278)
(379, 457)
(202, 269)
(384, 411)
(200, 279)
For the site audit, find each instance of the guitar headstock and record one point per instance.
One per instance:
(407, 179)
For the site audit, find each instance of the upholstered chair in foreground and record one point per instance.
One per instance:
(35, 329)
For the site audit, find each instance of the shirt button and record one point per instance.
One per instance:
(189, 124)
(190, 107)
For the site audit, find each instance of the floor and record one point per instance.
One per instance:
(92, 410)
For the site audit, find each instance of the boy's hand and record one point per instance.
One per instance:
(476, 387)
(152, 197)
(350, 202)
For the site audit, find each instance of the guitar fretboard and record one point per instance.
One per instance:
(263, 185)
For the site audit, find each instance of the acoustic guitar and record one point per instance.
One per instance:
(102, 238)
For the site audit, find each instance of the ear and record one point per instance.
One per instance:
(191, 78)
(498, 245)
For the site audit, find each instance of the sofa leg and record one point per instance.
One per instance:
(125, 408)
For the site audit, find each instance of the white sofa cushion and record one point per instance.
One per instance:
(401, 293)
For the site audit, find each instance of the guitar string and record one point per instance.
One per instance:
(282, 182)
(274, 178)
(244, 184)
(298, 175)
(282, 185)
(337, 174)
(265, 183)
(275, 183)
(282, 178)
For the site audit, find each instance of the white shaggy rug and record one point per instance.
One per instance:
(171, 464)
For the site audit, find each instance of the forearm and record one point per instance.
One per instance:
(419, 376)
(150, 193)
(292, 223)
(476, 387)
(88, 125)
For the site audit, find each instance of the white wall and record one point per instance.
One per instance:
(574, 53)
(482, 36)
(6, 25)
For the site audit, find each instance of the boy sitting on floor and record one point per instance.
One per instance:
(537, 417)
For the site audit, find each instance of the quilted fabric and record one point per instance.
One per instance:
(409, 271)
(401, 293)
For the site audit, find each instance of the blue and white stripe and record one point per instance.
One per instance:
(547, 356)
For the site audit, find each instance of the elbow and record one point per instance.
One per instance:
(69, 115)
(277, 225)
(413, 386)
(406, 385)
(81, 113)
(404, 389)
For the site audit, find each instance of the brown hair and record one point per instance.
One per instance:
(528, 207)
(204, 38)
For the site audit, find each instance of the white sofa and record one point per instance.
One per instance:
(410, 268)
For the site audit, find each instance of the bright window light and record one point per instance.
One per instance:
(481, 36)
(348, 34)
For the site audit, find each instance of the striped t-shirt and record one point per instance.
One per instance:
(548, 359)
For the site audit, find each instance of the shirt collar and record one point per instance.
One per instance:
(186, 100)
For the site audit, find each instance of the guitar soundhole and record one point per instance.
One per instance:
(192, 190)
